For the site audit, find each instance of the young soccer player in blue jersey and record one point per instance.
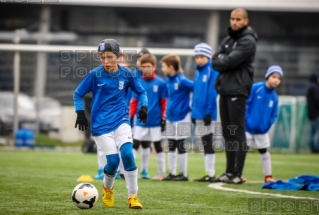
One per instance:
(101, 159)
(204, 106)
(144, 134)
(178, 115)
(261, 112)
(110, 123)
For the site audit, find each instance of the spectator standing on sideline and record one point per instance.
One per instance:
(178, 115)
(261, 113)
(138, 74)
(204, 106)
(149, 132)
(233, 60)
(313, 112)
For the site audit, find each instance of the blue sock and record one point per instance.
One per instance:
(112, 164)
(128, 157)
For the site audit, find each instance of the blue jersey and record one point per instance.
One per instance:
(129, 95)
(138, 75)
(109, 97)
(261, 109)
(205, 94)
(156, 91)
(179, 89)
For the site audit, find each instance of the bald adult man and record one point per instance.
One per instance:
(233, 60)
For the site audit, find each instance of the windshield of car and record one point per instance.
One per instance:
(49, 105)
(24, 103)
(6, 102)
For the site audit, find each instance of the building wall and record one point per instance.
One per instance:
(285, 38)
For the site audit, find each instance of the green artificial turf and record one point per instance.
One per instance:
(41, 182)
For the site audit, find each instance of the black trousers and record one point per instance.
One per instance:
(232, 114)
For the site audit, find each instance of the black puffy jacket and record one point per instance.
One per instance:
(313, 98)
(233, 60)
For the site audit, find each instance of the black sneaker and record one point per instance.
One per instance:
(180, 177)
(224, 178)
(236, 180)
(205, 178)
(169, 177)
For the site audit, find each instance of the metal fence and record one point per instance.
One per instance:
(298, 64)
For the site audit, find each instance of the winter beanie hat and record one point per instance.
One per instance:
(203, 49)
(274, 69)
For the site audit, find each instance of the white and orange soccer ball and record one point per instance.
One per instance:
(85, 195)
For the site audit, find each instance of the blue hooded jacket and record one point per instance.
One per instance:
(204, 95)
(261, 109)
(179, 88)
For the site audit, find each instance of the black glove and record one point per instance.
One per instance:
(194, 121)
(81, 120)
(142, 114)
(207, 120)
(163, 124)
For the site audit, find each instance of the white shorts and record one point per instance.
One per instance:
(147, 134)
(134, 124)
(202, 130)
(258, 141)
(178, 130)
(110, 143)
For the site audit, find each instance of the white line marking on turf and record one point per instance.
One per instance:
(219, 186)
(254, 182)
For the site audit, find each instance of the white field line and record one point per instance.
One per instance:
(219, 186)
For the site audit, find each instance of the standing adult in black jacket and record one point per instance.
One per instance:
(313, 111)
(233, 60)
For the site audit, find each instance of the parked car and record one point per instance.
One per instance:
(26, 112)
(49, 113)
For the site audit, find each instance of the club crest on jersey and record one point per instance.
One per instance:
(204, 78)
(176, 86)
(155, 88)
(121, 85)
(271, 103)
(102, 46)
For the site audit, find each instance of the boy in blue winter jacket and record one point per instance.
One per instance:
(178, 116)
(204, 106)
(261, 112)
